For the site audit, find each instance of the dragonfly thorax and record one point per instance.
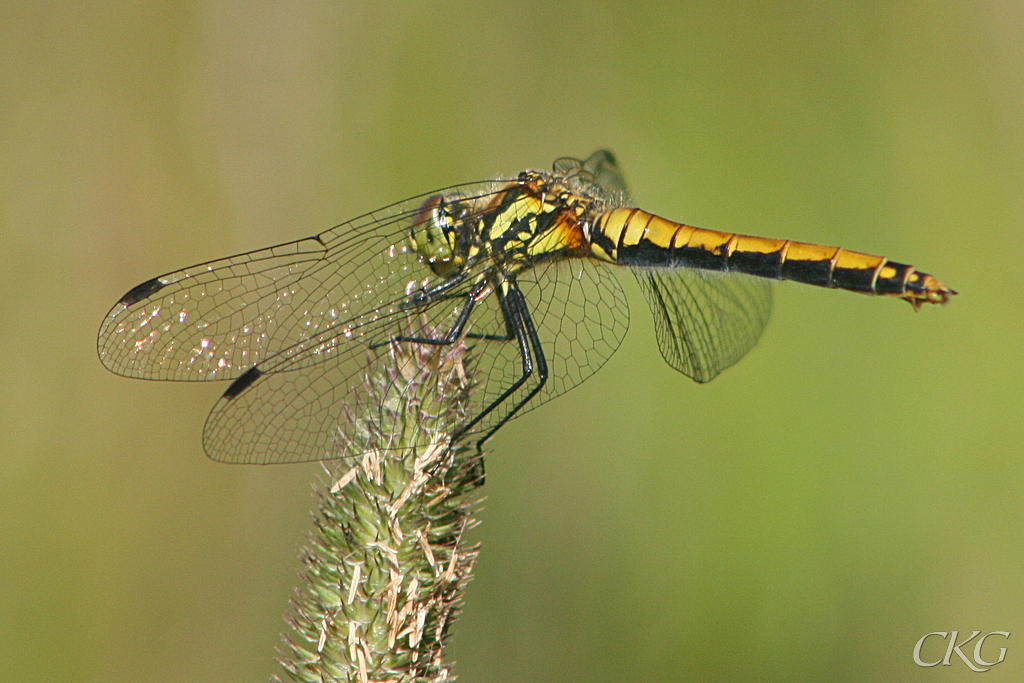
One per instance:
(534, 218)
(540, 217)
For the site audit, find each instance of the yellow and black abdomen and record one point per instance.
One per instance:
(633, 237)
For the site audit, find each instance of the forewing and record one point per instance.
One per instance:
(705, 321)
(215, 320)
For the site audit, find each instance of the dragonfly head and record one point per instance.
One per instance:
(433, 237)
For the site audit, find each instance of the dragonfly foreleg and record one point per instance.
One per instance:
(439, 292)
(431, 295)
(457, 327)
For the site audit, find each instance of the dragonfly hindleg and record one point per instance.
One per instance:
(520, 324)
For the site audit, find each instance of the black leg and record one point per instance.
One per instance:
(540, 364)
(435, 293)
(520, 324)
(460, 322)
(508, 336)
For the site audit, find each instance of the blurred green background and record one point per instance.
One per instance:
(854, 484)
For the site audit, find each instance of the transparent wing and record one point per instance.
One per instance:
(705, 321)
(599, 174)
(215, 320)
(578, 308)
(580, 314)
(286, 411)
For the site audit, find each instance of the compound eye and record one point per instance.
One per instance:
(430, 235)
(427, 217)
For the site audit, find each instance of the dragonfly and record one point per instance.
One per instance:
(521, 270)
